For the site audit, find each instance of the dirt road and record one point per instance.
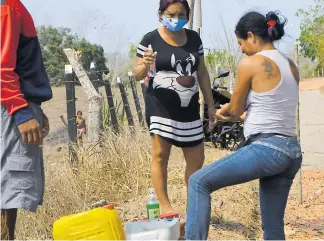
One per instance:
(312, 128)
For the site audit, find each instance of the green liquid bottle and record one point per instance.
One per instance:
(153, 206)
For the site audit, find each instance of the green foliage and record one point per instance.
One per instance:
(54, 40)
(132, 50)
(91, 52)
(312, 32)
(217, 60)
(105, 115)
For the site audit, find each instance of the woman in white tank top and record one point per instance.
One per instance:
(266, 93)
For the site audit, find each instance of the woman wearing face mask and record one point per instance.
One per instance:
(267, 87)
(172, 108)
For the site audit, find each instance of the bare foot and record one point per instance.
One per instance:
(167, 210)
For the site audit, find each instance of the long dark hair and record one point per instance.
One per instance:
(268, 28)
(164, 4)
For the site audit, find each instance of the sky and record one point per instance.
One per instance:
(114, 24)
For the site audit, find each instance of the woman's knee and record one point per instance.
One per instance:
(196, 162)
(196, 180)
(161, 150)
(161, 155)
(193, 168)
(194, 157)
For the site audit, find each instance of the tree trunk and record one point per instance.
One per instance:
(191, 3)
(94, 124)
(94, 119)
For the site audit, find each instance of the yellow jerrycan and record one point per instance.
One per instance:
(97, 224)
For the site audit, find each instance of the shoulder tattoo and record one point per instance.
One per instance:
(268, 68)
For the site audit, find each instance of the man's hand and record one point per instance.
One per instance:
(31, 132)
(46, 128)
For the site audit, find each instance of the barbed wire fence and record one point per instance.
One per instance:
(123, 102)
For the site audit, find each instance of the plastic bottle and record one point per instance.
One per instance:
(152, 71)
(152, 206)
(153, 66)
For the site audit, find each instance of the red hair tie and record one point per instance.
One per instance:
(272, 23)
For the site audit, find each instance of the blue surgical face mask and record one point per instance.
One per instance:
(174, 24)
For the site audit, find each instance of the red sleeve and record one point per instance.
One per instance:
(11, 97)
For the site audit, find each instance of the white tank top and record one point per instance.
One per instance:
(273, 111)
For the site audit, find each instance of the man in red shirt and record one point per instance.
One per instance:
(24, 86)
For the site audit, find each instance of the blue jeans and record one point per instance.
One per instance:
(273, 160)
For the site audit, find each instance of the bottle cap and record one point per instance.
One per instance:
(151, 191)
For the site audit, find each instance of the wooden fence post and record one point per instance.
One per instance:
(94, 98)
(300, 185)
(143, 87)
(125, 102)
(136, 99)
(94, 79)
(112, 109)
(71, 112)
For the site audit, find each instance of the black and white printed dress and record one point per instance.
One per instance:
(171, 101)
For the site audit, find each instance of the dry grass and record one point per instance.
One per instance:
(119, 171)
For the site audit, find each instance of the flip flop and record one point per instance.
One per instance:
(170, 215)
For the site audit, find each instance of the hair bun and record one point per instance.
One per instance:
(275, 24)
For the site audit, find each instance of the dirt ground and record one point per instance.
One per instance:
(312, 84)
(306, 221)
